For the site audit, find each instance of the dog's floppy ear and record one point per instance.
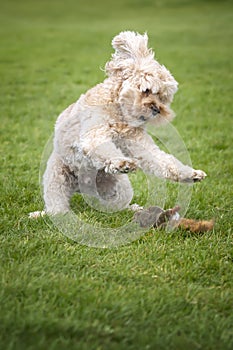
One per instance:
(130, 45)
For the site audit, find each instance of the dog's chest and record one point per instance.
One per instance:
(121, 131)
(124, 135)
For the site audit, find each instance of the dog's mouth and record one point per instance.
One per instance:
(154, 111)
(142, 118)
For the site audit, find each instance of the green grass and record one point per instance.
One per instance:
(167, 290)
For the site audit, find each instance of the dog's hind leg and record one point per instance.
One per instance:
(114, 191)
(59, 183)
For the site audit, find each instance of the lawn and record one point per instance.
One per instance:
(166, 290)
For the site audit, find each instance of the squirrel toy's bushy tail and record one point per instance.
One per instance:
(195, 225)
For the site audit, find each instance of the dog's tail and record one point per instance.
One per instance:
(129, 44)
(130, 47)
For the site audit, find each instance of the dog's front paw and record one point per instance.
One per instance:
(198, 175)
(120, 166)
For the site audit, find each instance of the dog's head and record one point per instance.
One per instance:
(147, 88)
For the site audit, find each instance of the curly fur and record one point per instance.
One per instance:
(102, 136)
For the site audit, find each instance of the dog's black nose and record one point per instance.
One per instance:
(155, 109)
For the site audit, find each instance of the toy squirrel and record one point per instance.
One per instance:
(158, 218)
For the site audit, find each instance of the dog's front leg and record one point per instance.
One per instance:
(102, 153)
(155, 161)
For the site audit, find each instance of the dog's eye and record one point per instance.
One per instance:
(147, 92)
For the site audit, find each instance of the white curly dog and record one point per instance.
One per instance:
(102, 136)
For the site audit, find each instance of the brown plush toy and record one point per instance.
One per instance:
(158, 218)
